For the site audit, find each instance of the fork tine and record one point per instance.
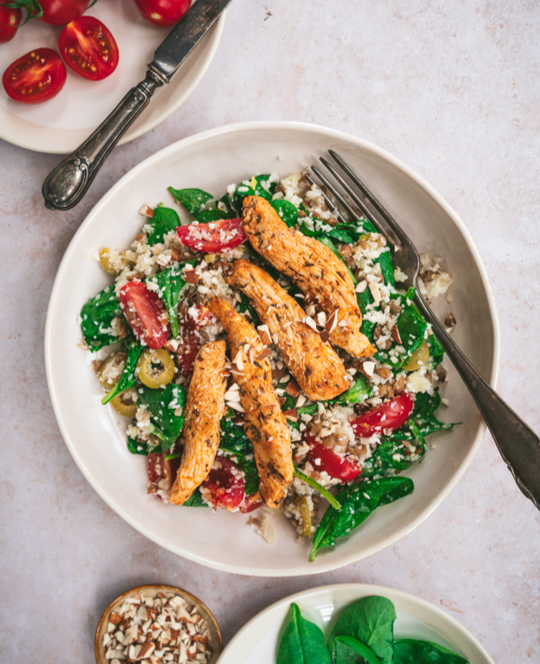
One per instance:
(389, 219)
(333, 206)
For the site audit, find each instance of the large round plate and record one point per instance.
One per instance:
(95, 435)
(258, 641)
(63, 123)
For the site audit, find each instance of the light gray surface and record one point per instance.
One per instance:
(449, 88)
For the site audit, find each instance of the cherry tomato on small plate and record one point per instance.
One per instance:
(224, 486)
(89, 48)
(162, 12)
(35, 77)
(60, 12)
(386, 417)
(145, 313)
(197, 317)
(213, 237)
(324, 459)
(10, 19)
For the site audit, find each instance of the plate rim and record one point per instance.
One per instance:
(23, 133)
(327, 565)
(366, 589)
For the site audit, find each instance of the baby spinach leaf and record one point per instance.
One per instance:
(97, 317)
(287, 211)
(248, 310)
(410, 651)
(170, 283)
(127, 378)
(195, 500)
(161, 404)
(194, 200)
(136, 447)
(211, 215)
(265, 188)
(235, 442)
(359, 392)
(318, 487)
(412, 328)
(370, 621)
(426, 404)
(387, 269)
(237, 198)
(436, 351)
(350, 650)
(393, 456)
(164, 221)
(302, 642)
(357, 503)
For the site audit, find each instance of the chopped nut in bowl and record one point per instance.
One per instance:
(157, 624)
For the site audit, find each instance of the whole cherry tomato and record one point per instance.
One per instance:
(60, 12)
(162, 12)
(324, 459)
(35, 77)
(213, 237)
(145, 313)
(197, 317)
(224, 486)
(89, 48)
(10, 19)
(387, 417)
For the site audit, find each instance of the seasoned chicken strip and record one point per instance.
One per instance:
(205, 406)
(314, 269)
(315, 365)
(265, 424)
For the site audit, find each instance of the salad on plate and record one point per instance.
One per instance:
(266, 357)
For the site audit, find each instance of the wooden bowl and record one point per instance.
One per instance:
(214, 633)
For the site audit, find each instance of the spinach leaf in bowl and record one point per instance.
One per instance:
(97, 317)
(302, 642)
(410, 651)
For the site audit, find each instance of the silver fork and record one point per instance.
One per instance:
(518, 445)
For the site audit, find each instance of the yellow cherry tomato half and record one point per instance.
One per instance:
(418, 358)
(125, 403)
(155, 368)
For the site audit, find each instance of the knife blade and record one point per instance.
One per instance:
(66, 185)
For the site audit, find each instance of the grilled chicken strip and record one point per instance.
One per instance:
(314, 269)
(315, 365)
(205, 406)
(265, 424)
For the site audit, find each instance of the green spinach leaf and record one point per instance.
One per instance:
(287, 211)
(170, 283)
(136, 447)
(195, 500)
(265, 188)
(357, 503)
(164, 221)
(410, 651)
(436, 351)
(349, 650)
(161, 404)
(235, 442)
(370, 621)
(302, 642)
(97, 318)
(359, 392)
(127, 378)
(194, 200)
(211, 215)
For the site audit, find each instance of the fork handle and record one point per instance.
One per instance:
(518, 445)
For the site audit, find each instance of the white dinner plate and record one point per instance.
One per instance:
(257, 642)
(95, 435)
(60, 125)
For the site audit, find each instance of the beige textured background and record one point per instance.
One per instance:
(449, 87)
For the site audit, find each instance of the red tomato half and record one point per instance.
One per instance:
(197, 317)
(10, 19)
(224, 486)
(387, 417)
(251, 503)
(60, 12)
(160, 472)
(162, 12)
(35, 77)
(324, 459)
(213, 237)
(89, 48)
(145, 313)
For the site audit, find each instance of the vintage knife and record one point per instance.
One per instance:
(66, 185)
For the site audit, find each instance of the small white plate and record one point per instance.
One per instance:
(60, 125)
(95, 435)
(258, 641)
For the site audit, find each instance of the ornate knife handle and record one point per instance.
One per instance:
(68, 182)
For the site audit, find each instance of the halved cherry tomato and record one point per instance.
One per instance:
(10, 19)
(387, 417)
(213, 237)
(145, 313)
(89, 48)
(324, 459)
(224, 486)
(161, 472)
(251, 503)
(162, 12)
(197, 317)
(35, 77)
(60, 12)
